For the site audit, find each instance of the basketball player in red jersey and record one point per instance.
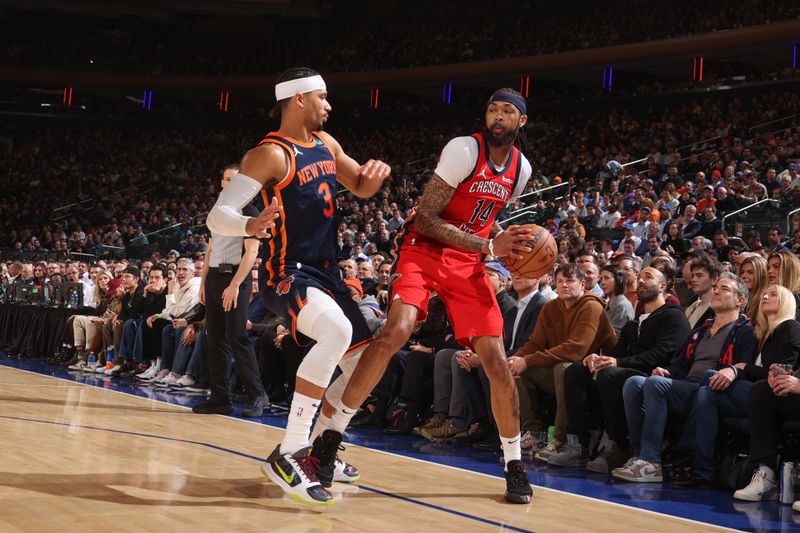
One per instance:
(299, 166)
(447, 236)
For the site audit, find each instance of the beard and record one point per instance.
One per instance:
(648, 294)
(504, 139)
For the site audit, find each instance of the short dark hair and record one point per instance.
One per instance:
(570, 270)
(295, 73)
(232, 166)
(709, 264)
(158, 268)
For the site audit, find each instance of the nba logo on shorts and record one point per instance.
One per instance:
(284, 286)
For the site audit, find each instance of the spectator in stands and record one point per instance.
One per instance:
(769, 403)
(707, 200)
(673, 241)
(753, 271)
(724, 392)
(396, 221)
(26, 275)
(86, 327)
(775, 243)
(690, 225)
(40, 273)
(631, 270)
(365, 273)
(725, 203)
(644, 344)
(182, 297)
(619, 308)
(710, 224)
(348, 268)
(592, 275)
(727, 340)
(567, 329)
(705, 272)
(784, 268)
(14, 272)
(128, 321)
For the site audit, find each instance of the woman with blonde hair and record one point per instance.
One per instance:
(753, 271)
(724, 393)
(86, 327)
(784, 268)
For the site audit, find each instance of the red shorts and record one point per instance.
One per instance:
(460, 281)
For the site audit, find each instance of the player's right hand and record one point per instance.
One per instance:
(258, 226)
(512, 242)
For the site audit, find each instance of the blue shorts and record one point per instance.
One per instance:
(288, 297)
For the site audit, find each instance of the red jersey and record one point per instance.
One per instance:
(479, 198)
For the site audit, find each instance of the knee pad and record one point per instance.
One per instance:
(322, 319)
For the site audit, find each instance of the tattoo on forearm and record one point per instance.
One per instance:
(428, 222)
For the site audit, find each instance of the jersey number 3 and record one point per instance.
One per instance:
(324, 192)
(482, 211)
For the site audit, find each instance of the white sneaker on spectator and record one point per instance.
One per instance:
(162, 374)
(532, 441)
(169, 379)
(148, 374)
(80, 365)
(796, 506)
(100, 369)
(185, 381)
(92, 367)
(551, 449)
(639, 471)
(760, 485)
(572, 453)
(111, 370)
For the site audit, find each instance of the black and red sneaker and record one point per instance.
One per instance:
(518, 488)
(324, 449)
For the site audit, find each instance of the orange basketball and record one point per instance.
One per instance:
(540, 260)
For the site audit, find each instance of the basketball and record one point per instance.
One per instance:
(540, 260)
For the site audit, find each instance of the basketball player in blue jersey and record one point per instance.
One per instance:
(296, 171)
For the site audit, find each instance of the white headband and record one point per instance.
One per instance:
(287, 89)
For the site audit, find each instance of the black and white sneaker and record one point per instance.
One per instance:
(518, 488)
(324, 450)
(297, 475)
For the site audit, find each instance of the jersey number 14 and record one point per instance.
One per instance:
(483, 210)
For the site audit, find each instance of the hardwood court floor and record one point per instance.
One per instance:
(81, 458)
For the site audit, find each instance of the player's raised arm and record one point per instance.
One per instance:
(260, 167)
(362, 180)
(428, 222)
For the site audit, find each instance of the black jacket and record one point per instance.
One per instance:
(154, 303)
(132, 305)
(662, 333)
(506, 302)
(526, 323)
(782, 347)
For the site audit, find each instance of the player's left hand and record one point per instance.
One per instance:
(374, 170)
(229, 297)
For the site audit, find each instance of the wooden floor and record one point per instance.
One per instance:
(81, 458)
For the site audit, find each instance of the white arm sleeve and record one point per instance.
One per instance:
(226, 218)
(458, 158)
(524, 175)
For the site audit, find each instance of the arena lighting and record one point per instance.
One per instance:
(794, 56)
(374, 93)
(224, 99)
(67, 97)
(147, 99)
(525, 86)
(697, 69)
(608, 78)
(447, 92)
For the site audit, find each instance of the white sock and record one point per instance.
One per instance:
(341, 418)
(769, 472)
(301, 414)
(511, 448)
(323, 423)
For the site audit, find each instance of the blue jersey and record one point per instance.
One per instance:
(305, 233)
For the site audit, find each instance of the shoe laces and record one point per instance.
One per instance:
(308, 465)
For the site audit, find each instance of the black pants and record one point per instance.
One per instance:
(478, 394)
(767, 413)
(582, 393)
(417, 388)
(278, 366)
(151, 338)
(227, 335)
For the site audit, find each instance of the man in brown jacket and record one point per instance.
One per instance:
(569, 328)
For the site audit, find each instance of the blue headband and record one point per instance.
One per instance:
(502, 95)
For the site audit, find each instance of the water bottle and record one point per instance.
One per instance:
(551, 434)
(110, 357)
(91, 360)
(73, 299)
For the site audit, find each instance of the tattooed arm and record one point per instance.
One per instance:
(495, 231)
(428, 221)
